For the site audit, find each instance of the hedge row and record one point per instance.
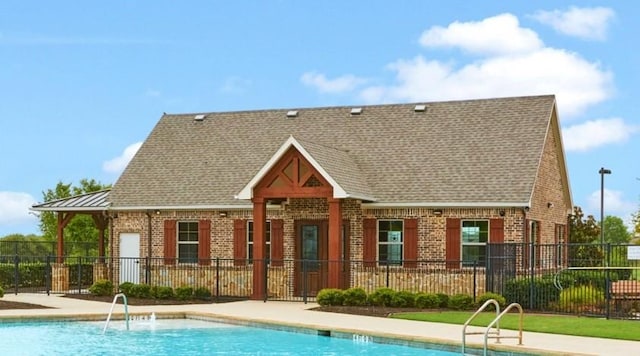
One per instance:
(386, 297)
(34, 274)
(106, 288)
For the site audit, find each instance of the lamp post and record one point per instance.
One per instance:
(602, 172)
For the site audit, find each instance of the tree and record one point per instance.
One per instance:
(583, 236)
(81, 229)
(615, 231)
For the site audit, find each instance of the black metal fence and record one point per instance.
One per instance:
(573, 279)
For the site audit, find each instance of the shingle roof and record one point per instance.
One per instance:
(456, 152)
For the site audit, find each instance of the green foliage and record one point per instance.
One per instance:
(427, 301)
(461, 302)
(202, 293)
(382, 297)
(1, 292)
(443, 300)
(584, 233)
(81, 228)
(579, 297)
(330, 296)
(355, 296)
(141, 291)
(162, 292)
(29, 274)
(615, 231)
(101, 287)
(482, 298)
(126, 288)
(537, 296)
(184, 293)
(403, 299)
(26, 246)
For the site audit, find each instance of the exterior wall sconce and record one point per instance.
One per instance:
(223, 214)
(501, 212)
(157, 212)
(437, 212)
(549, 205)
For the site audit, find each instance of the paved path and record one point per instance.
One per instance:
(299, 315)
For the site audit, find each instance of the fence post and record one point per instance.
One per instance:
(266, 279)
(16, 271)
(304, 281)
(79, 275)
(607, 280)
(217, 279)
(531, 272)
(47, 275)
(387, 271)
(475, 282)
(147, 270)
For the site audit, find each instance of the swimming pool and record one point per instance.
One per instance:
(183, 337)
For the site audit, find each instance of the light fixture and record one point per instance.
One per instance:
(437, 212)
(223, 214)
(501, 212)
(157, 212)
(602, 172)
(549, 205)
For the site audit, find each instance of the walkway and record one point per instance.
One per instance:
(298, 315)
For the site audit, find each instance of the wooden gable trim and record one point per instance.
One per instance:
(286, 179)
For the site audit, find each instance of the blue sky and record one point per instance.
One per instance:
(82, 85)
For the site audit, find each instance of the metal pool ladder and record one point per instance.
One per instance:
(113, 304)
(494, 324)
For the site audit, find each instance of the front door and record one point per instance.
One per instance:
(130, 257)
(311, 256)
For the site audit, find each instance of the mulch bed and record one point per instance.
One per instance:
(383, 312)
(5, 304)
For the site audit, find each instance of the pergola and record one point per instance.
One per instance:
(94, 204)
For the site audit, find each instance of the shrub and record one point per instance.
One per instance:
(381, 297)
(184, 293)
(101, 287)
(461, 302)
(537, 293)
(330, 296)
(202, 293)
(1, 292)
(443, 300)
(403, 299)
(355, 296)
(125, 287)
(581, 297)
(489, 295)
(162, 292)
(427, 301)
(141, 291)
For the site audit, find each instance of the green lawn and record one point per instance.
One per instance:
(553, 324)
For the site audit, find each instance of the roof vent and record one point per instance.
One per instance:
(420, 108)
(199, 117)
(356, 111)
(292, 113)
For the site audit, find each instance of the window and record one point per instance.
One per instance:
(250, 240)
(475, 235)
(390, 241)
(188, 242)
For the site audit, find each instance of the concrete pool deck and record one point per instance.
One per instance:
(295, 314)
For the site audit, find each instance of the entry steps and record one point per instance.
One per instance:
(493, 329)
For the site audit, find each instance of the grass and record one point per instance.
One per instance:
(552, 324)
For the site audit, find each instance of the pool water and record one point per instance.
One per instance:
(182, 337)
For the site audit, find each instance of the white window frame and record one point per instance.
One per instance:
(463, 243)
(186, 243)
(390, 244)
(250, 240)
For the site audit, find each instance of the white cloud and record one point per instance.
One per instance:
(235, 85)
(513, 62)
(484, 37)
(14, 208)
(337, 85)
(152, 93)
(614, 204)
(117, 165)
(596, 133)
(586, 23)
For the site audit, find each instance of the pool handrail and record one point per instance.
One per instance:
(481, 309)
(126, 311)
